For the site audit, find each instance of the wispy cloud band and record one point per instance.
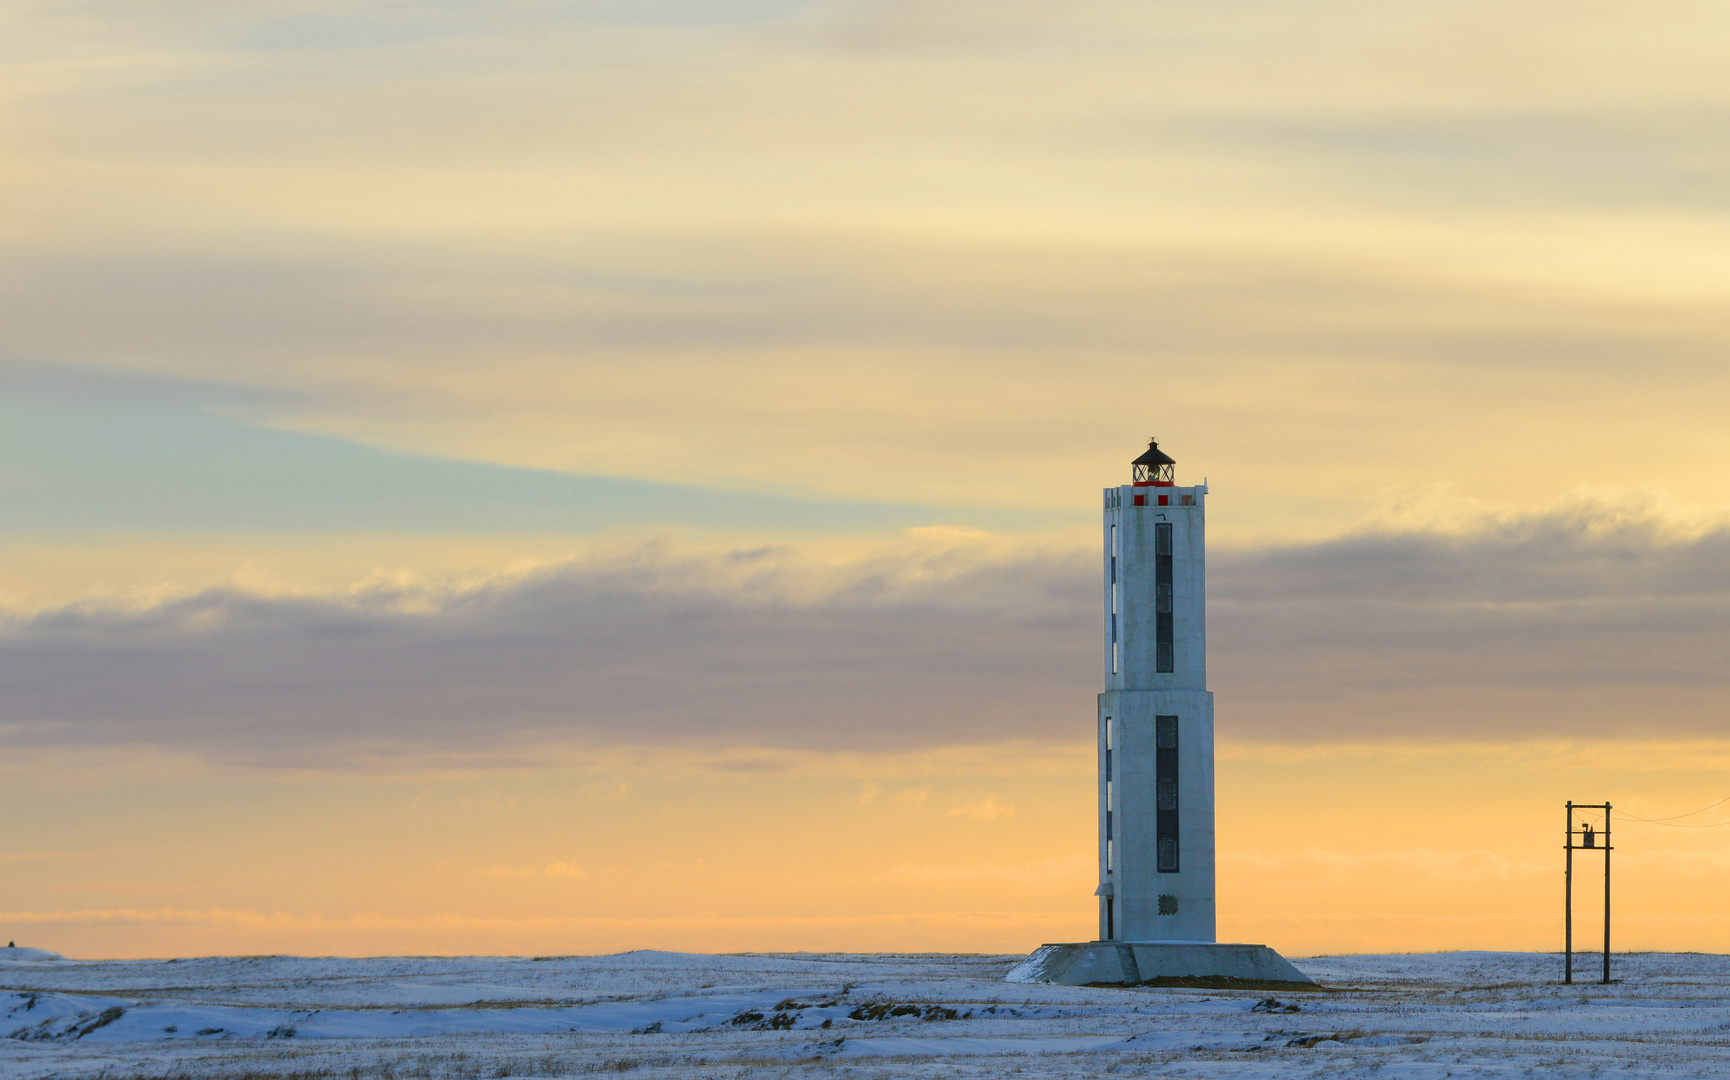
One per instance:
(1570, 623)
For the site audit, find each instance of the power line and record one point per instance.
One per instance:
(1667, 825)
(1679, 817)
(1670, 822)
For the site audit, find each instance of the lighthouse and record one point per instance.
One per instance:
(1155, 741)
(1156, 876)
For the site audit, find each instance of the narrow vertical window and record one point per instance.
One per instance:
(1114, 599)
(1165, 657)
(1110, 918)
(1166, 804)
(1110, 802)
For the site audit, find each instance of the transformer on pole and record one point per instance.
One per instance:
(1587, 841)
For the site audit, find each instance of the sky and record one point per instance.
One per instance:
(559, 477)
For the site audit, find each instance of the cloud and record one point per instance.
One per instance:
(652, 648)
(1588, 621)
(1588, 547)
(916, 230)
(91, 451)
(1577, 622)
(988, 809)
(887, 368)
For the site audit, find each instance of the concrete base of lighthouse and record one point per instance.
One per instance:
(1177, 963)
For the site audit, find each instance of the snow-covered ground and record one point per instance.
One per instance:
(654, 1014)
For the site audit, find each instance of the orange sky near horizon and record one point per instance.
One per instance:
(1351, 849)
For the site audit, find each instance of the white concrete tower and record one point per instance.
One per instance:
(1156, 864)
(1156, 893)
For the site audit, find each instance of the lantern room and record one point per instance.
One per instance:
(1154, 468)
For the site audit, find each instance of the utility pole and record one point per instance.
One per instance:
(1588, 841)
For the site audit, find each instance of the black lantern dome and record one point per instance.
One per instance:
(1154, 468)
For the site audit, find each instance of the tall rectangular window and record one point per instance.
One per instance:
(1110, 802)
(1165, 778)
(1164, 654)
(1113, 554)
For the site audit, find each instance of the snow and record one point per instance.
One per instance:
(664, 1015)
(22, 955)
